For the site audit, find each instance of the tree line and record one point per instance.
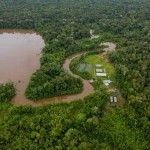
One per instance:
(83, 124)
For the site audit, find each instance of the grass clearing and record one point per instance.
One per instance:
(107, 66)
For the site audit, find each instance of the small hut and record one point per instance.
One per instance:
(115, 99)
(101, 74)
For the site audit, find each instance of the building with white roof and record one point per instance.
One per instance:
(98, 65)
(99, 70)
(111, 99)
(107, 82)
(101, 74)
(115, 99)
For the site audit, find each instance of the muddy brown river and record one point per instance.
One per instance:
(20, 58)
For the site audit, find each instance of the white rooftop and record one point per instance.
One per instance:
(115, 99)
(111, 99)
(101, 74)
(107, 82)
(99, 70)
(98, 65)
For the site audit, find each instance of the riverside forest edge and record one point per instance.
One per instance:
(87, 124)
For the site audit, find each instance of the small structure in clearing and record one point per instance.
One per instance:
(113, 99)
(101, 74)
(99, 70)
(107, 82)
(98, 65)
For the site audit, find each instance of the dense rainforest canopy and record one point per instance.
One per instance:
(83, 124)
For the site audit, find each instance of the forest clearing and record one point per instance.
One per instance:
(80, 77)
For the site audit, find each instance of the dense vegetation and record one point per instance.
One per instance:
(78, 125)
(7, 92)
(92, 58)
(53, 126)
(51, 80)
(133, 72)
(65, 25)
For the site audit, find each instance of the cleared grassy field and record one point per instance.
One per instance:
(108, 67)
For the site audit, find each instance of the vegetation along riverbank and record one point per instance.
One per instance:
(94, 122)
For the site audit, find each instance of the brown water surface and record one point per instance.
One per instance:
(88, 89)
(19, 58)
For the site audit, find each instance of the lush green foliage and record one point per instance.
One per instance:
(93, 58)
(65, 25)
(74, 68)
(58, 126)
(51, 80)
(7, 92)
(133, 73)
(79, 125)
(127, 128)
(62, 22)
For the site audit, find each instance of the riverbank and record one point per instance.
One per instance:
(24, 66)
(87, 89)
(19, 57)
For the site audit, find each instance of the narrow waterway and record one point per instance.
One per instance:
(20, 58)
(87, 89)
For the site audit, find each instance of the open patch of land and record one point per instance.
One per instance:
(101, 73)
